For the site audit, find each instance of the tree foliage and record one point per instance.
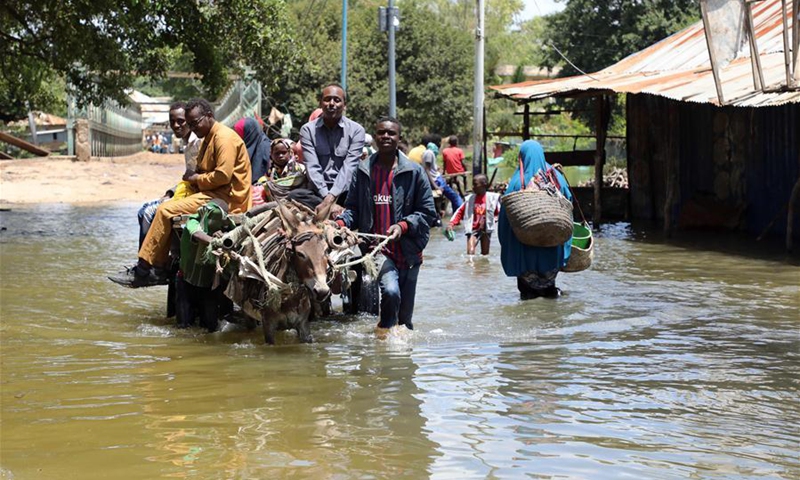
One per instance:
(434, 74)
(594, 35)
(434, 65)
(502, 42)
(100, 46)
(522, 45)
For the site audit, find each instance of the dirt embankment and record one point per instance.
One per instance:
(135, 178)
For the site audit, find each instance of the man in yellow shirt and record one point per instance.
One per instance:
(223, 171)
(415, 154)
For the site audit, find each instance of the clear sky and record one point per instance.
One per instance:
(545, 7)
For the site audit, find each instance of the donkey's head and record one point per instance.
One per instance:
(309, 251)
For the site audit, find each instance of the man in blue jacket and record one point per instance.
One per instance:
(391, 196)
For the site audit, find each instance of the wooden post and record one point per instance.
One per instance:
(712, 54)
(787, 47)
(526, 123)
(796, 40)
(755, 58)
(672, 166)
(601, 131)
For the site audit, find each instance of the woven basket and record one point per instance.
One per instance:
(580, 258)
(537, 218)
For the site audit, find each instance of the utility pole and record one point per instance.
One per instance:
(392, 89)
(477, 108)
(344, 46)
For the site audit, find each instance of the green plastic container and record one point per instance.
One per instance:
(449, 234)
(581, 235)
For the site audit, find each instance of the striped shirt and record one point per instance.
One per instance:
(382, 201)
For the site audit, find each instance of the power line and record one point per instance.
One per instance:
(536, 3)
(570, 62)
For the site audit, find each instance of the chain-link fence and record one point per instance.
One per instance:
(242, 99)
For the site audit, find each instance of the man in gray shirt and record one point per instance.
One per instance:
(332, 146)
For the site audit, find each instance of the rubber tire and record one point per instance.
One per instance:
(370, 299)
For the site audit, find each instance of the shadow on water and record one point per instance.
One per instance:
(668, 359)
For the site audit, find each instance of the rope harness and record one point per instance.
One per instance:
(370, 266)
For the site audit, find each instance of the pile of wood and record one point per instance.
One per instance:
(617, 178)
(260, 261)
(252, 286)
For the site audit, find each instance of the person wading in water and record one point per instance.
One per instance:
(391, 196)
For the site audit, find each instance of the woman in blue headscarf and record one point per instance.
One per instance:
(257, 145)
(535, 267)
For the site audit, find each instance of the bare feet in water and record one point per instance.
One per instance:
(397, 331)
(382, 333)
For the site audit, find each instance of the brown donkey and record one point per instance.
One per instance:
(308, 251)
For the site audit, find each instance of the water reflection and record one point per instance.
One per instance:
(662, 361)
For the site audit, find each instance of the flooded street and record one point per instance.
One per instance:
(675, 359)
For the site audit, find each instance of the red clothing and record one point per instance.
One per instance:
(382, 199)
(452, 160)
(478, 215)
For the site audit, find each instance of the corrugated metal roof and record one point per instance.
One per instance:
(678, 67)
(42, 119)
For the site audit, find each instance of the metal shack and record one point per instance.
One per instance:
(694, 161)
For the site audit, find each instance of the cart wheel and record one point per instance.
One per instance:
(370, 298)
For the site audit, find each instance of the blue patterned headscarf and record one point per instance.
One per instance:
(518, 259)
(533, 162)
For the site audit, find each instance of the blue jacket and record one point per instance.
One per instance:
(412, 202)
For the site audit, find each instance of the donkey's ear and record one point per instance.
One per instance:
(324, 214)
(290, 221)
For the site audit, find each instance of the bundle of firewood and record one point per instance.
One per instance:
(617, 178)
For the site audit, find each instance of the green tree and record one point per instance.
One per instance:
(180, 86)
(434, 64)
(318, 37)
(501, 27)
(594, 35)
(434, 73)
(522, 45)
(100, 46)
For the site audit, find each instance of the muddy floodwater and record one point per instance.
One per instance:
(668, 359)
